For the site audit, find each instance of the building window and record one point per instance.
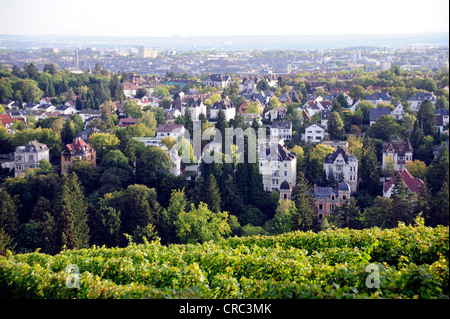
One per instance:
(285, 173)
(320, 206)
(320, 216)
(344, 197)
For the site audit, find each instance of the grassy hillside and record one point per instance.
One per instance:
(409, 262)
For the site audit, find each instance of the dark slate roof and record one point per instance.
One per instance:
(420, 96)
(378, 96)
(331, 158)
(285, 185)
(343, 186)
(34, 146)
(325, 114)
(284, 154)
(399, 145)
(322, 192)
(223, 104)
(282, 124)
(442, 112)
(375, 114)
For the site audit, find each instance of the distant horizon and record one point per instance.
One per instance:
(227, 43)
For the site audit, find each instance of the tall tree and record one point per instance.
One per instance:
(401, 209)
(152, 165)
(438, 169)
(424, 203)
(68, 132)
(9, 219)
(335, 126)
(427, 117)
(231, 199)
(211, 194)
(347, 215)
(71, 213)
(369, 168)
(139, 207)
(303, 217)
(441, 206)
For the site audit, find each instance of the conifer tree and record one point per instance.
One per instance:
(303, 217)
(336, 126)
(231, 199)
(424, 203)
(211, 195)
(9, 219)
(401, 209)
(441, 206)
(70, 210)
(369, 169)
(49, 240)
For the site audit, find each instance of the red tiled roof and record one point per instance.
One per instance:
(76, 147)
(7, 120)
(413, 183)
(127, 122)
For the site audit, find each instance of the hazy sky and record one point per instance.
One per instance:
(229, 17)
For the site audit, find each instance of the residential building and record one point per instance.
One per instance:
(77, 150)
(419, 97)
(277, 113)
(375, 114)
(66, 110)
(149, 141)
(441, 119)
(87, 114)
(399, 151)
(129, 89)
(7, 121)
(176, 131)
(413, 184)
(313, 107)
(218, 80)
(398, 112)
(226, 105)
(176, 161)
(326, 199)
(336, 144)
(324, 114)
(314, 133)
(281, 130)
(29, 156)
(248, 83)
(125, 122)
(342, 166)
(195, 104)
(277, 165)
(378, 97)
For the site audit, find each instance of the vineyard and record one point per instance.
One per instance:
(404, 262)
